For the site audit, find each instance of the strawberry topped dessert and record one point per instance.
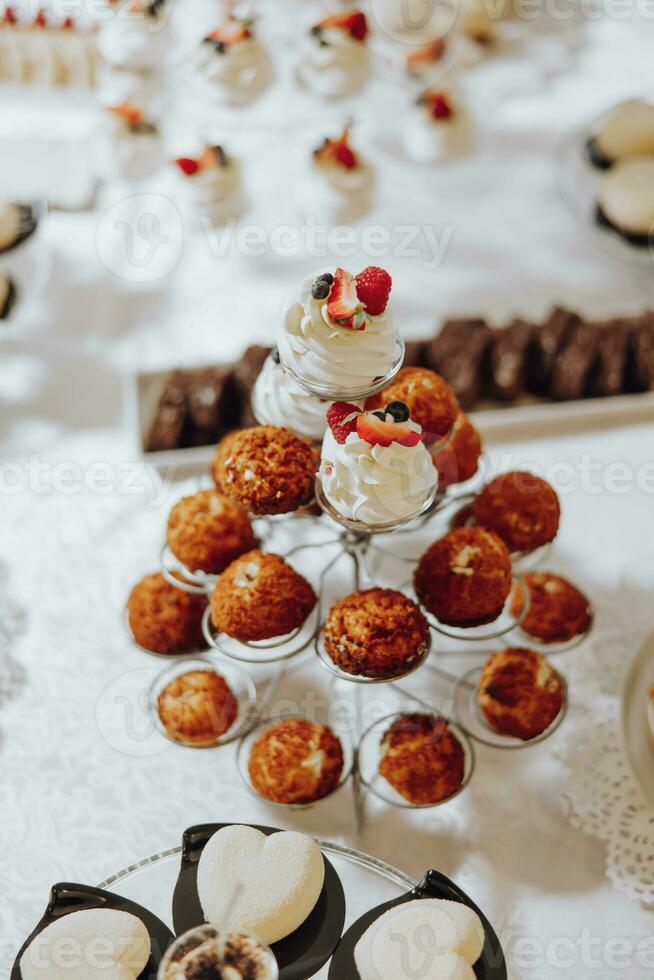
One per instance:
(130, 144)
(342, 181)
(211, 184)
(436, 127)
(335, 60)
(338, 338)
(374, 466)
(135, 37)
(234, 61)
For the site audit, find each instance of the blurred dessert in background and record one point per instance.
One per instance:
(626, 131)
(341, 181)
(135, 36)
(130, 146)
(211, 185)
(18, 222)
(278, 400)
(165, 619)
(334, 60)
(46, 51)
(437, 127)
(234, 62)
(458, 460)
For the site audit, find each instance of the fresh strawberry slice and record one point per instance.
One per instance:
(342, 419)
(10, 16)
(354, 22)
(439, 104)
(427, 54)
(373, 287)
(187, 165)
(378, 432)
(232, 32)
(68, 24)
(40, 20)
(343, 305)
(339, 151)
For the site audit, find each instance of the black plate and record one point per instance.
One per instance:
(491, 965)
(299, 955)
(66, 898)
(640, 241)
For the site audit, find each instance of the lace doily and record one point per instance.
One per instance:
(604, 796)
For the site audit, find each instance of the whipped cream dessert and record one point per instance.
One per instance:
(277, 399)
(266, 886)
(130, 145)
(339, 335)
(374, 466)
(334, 58)
(626, 197)
(476, 32)
(135, 36)
(44, 52)
(436, 127)
(341, 182)
(457, 941)
(234, 61)
(17, 223)
(627, 131)
(206, 952)
(424, 61)
(92, 944)
(211, 185)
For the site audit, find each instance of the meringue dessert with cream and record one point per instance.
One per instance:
(45, 51)
(134, 35)
(211, 185)
(338, 338)
(625, 200)
(91, 944)
(235, 62)
(334, 59)
(277, 399)
(436, 128)
(130, 144)
(341, 183)
(627, 131)
(374, 466)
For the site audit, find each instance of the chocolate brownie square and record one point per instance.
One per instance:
(458, 353)
(213, 407)
(168, 423)
(608, 373)
(574, 363)
(640, 363)
(507, 363)
(414, 353)
(547, 341)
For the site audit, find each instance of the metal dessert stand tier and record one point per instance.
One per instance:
(352, 556)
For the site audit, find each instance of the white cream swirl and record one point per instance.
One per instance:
(335, 358)
(342, 194)
(126, 153)
(278, 400)
(333, 64)
(240, 72)
(376, 484)
(133, 41)
(214, 193)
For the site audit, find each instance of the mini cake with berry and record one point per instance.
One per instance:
(197, 708)
(130, 144)
(521, 507)
(18, 222)
(436, 127)
(375, 467)
(464, 579)
(134, 36)
(458, 461)
(235, 63)
(625, 200)
(208, 531)
(8, 293)
(341, 184)
(431, 401)
(165, 619)
(627, 131)
(476, 31)
(296, 762)
(558, 612)
(520, 693)
(211, 185)
(259, 596)
(422, 759)
(277, 399)
(339, 336)
(376, 633)
(334, 60)
(424, 61)
(267, 470)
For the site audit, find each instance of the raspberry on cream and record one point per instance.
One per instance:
(334, 59)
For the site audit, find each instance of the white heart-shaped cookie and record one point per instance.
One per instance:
(427, 937)
(93, 944)
(266, 886)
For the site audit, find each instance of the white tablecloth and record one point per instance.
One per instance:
(81, 519)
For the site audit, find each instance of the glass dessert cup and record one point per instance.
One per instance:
(197, 583)
(240, 684)
(342, 675)
(266, 965)
(269, 651)
(472, 719)
(361, 528)
(173, 655)
(500, 626)
(369, 757)
(354, 392)
(245, 748)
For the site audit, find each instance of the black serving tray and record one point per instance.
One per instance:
(299, 955)
(66, 897)
(491, 965)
